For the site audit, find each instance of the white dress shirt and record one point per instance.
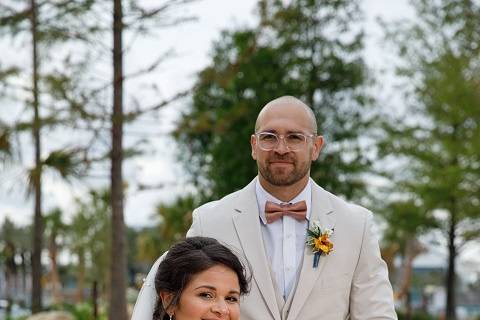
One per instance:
(284, 239)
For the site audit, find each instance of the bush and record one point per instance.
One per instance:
(80, 311)
(416, 316)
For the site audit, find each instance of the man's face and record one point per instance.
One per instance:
(282, 166)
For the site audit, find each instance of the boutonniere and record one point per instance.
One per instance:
(318, 239)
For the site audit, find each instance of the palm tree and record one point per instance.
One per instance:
(53, 229)
(175, 219)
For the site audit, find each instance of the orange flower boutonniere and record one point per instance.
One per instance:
(318, 239)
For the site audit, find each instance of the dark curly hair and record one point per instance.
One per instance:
(188, 258)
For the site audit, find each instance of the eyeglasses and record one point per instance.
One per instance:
(268, 141)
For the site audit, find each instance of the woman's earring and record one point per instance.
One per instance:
(171, 316)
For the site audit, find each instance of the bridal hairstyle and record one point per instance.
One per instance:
(188, 258)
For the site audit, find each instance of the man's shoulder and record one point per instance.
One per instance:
(222, 204)
(343, 206)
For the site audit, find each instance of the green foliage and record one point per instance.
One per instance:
(83, 311)
(176, 219)
(17, 318)
(8, 72)
(442, 145)
(416, 316)
(291, 52)
(439, 141)
(148, 245)
(19, 236)
(406, 220)
(90, 235)
(5, 142)
(80, 311)
(8, 248)
(59, 21)
(67, 162)
(53, 224)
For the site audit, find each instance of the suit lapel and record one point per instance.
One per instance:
(322, 211)
(247, 225)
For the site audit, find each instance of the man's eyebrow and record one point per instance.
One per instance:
(269, 131)
(287, 132)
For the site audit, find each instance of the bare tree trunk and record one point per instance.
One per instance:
(38, 221)
(412, 249)
(24, 276)
(388, 255)
(408, 305)
(10, 274)
(95, 299)
(80, 276)
(118, 303)
(452, 252)
(54, 276)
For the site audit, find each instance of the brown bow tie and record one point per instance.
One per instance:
(297, 210)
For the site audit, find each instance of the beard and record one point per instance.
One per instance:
(283, 176)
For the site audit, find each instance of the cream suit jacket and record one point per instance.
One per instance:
(350, 283)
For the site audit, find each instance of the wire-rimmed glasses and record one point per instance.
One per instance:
(268, 141)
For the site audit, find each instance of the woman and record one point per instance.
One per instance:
(199, 279)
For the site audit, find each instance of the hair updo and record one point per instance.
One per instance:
(188, 258)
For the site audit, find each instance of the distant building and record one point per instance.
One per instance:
(427, 291)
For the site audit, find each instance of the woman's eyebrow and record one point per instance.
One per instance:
(206, 287)
(215, 289)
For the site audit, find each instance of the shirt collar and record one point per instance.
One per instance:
(263, 196)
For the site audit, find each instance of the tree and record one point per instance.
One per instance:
(148, 245)
(43, 32)
(405, 220)
(440, 146)
(9, 252)
(176, 219)
(54, 227)
(37, 171)
(18, 241)
(118, 264)
(56, 22)
(291, 52)
(89, 239)
(118, 302)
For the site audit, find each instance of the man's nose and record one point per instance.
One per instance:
(282, 147)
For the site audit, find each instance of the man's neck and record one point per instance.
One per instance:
(284, 193)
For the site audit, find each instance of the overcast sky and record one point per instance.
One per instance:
(192, 44)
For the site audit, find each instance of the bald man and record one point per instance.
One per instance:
(267, 223)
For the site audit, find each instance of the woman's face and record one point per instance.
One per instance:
(211, 295)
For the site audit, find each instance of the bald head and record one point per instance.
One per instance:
(287, 106)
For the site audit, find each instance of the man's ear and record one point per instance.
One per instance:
(253, 144)
(317, 147)
(166, 300)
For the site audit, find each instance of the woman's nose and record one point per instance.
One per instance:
(220, 307)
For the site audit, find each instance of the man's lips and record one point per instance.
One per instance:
(281, 162)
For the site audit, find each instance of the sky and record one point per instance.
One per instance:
(191, 43)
